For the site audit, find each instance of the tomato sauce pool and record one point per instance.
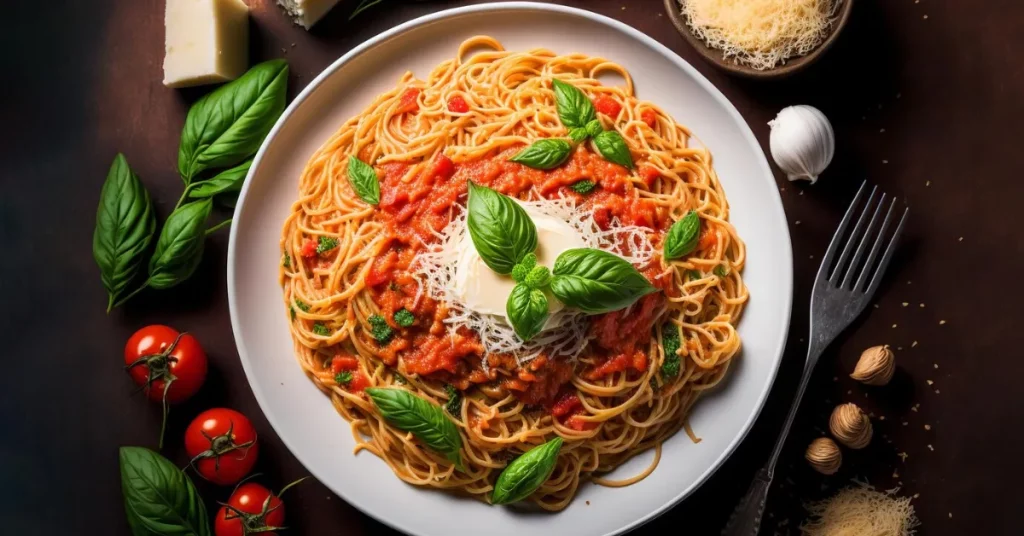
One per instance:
(414, 207)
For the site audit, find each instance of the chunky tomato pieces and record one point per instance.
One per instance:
(343, 363)
(608, 106)
(309, 248)
(458, 105)
(408, 103)
(649, 117)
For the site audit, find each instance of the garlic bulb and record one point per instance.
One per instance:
(802, 142)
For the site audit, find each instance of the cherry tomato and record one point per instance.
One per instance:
(251, 507)
(170, 366)
(407, 103)
(443, 166)
(458, 104)
(649, 117)
(608, 106)
(222, 445)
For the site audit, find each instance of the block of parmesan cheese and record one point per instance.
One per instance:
(305, 13)
(207, 41)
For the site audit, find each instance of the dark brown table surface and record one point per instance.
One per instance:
(927, 100)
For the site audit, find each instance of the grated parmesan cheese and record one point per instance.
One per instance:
(565, 333)
(861, 510)
(760, 34)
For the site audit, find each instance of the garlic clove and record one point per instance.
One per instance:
(802, 142)
(850, 426)
(875, 366)
(824, 456)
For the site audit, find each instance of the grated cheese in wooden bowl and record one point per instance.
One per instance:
(760, 34)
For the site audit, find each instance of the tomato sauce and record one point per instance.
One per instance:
(417, 205)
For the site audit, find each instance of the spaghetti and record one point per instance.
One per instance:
(361, 316)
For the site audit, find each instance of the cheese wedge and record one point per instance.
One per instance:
(207, 41)
(305, 13)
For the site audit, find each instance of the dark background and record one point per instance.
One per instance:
(926, 100)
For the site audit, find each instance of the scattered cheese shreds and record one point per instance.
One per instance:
(861, 510)
(760, 34)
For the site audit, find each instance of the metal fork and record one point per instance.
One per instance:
(842, 289)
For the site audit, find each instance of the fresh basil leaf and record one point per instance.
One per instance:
(424, 420)
(227, 126)
(159, 498)
(125, 225)
(574, 108)
(527, 310)
(613, 148)
(527, 473)
(682, 237)
(227, 181)
(180, 246)
(539, 277)
(578, 134)
(502, 232)
(594, 128)
(548, 153)
(364, 180)
(596, 281)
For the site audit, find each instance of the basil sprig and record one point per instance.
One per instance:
(548, 153)
(364, 180)
(613, 148)
(125, 225)
(159, 498)
(180, 246)
(225, 182)
(524, 475)
(227, 126)
(596, 281)
(682, 237)
(502, 232)
(574, 108)
(527, 310)
(424, 420)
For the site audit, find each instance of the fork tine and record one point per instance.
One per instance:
(848, 248)
(837, 238)
(866, 270)
(862, 246)
(880, 271)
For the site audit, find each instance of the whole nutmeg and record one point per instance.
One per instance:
(875, 366)
(850, 426)
(824, 456)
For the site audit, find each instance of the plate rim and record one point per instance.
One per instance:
(637, 35)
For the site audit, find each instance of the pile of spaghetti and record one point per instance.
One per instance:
(361, 315)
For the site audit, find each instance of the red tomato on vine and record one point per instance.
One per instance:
(251, 509)
(222, 445)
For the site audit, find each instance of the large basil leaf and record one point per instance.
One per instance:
(596, 281)
(228, 125)
(613, 148)
(180, 247)
(502, 232)
(424, 420)
(227, 181)
(364, 180)
(682, 237)
(527, 310)
(524, 475)
(125, 225)
(159, 498)
(574, 108)
(548, 153)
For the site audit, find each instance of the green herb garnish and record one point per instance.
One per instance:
(379, 329)
(302, 305)
(670, 343)
(584, 186)
(287, 261)
(403, 317)
(321, 329)
(325, 244)
(454, 404)
(343, 377)
(694, 275)
(721, 270)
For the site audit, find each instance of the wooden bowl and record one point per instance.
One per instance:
(714, 56)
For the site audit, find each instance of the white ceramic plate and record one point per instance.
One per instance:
(304, 418)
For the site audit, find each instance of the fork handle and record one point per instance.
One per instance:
(746, 519)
